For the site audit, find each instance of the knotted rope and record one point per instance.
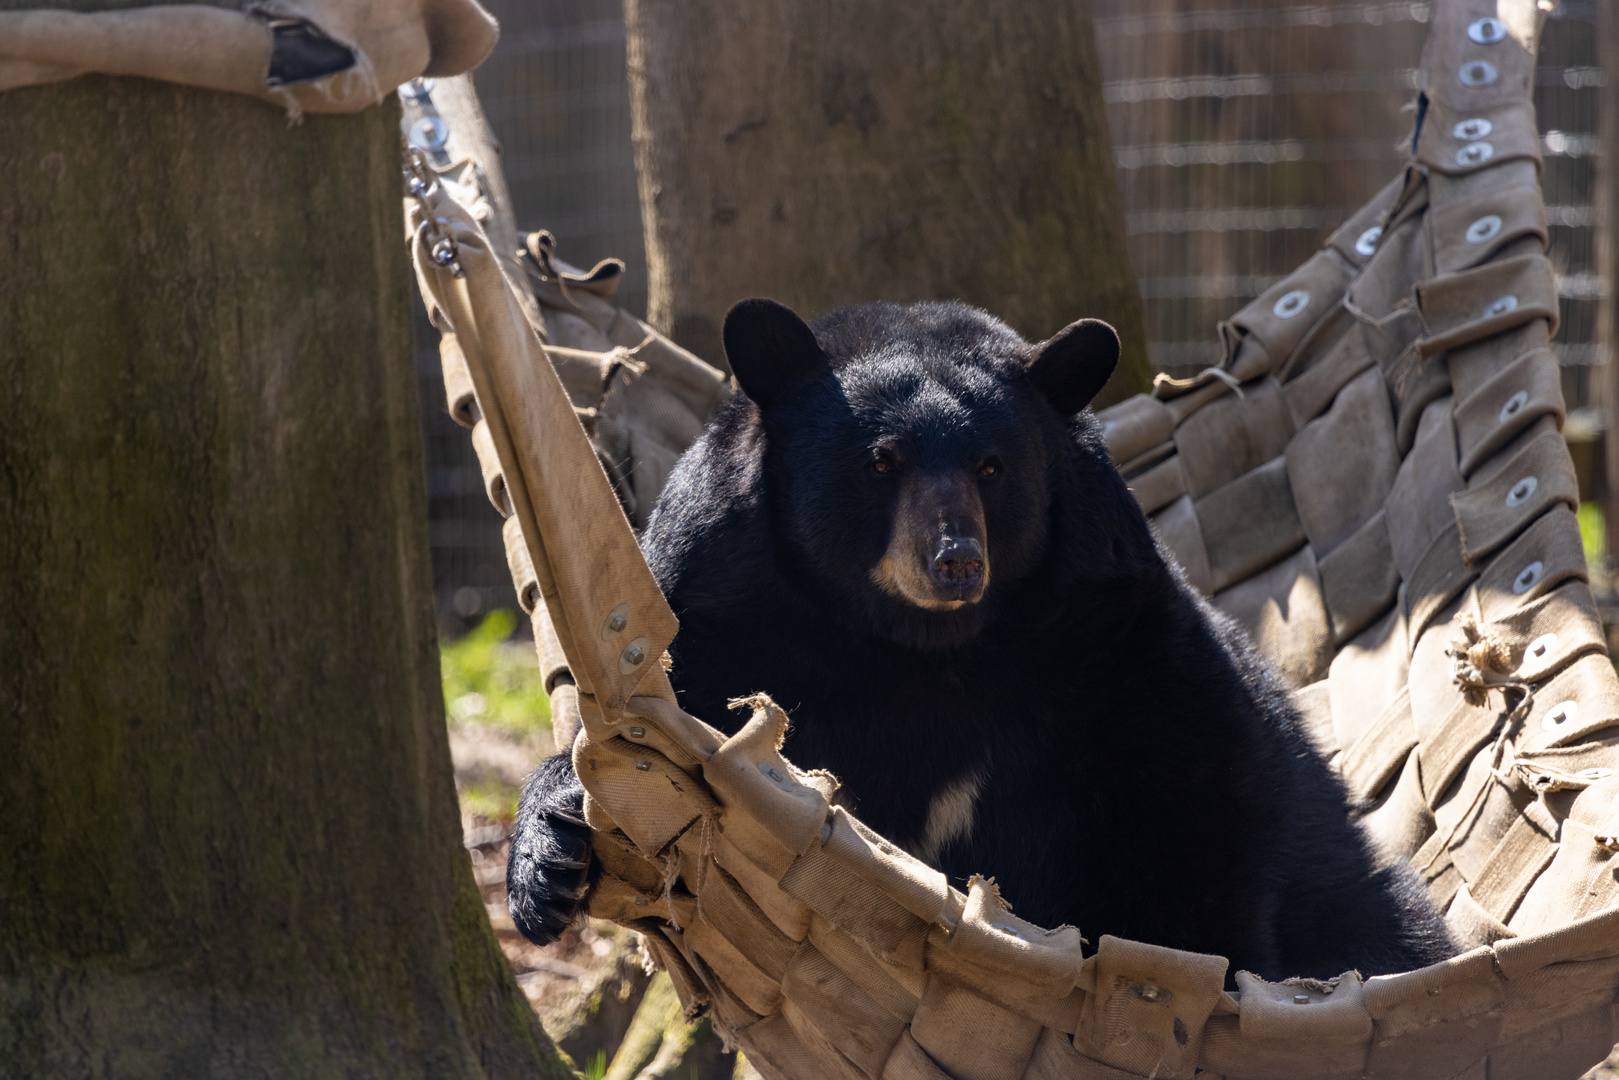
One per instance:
(1480, 662)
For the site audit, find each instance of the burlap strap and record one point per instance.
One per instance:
(1444, 606)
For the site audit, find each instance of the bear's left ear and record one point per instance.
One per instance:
(1073, 365)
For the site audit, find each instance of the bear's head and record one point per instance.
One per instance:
(912, 452)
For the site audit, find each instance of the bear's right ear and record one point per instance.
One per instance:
(769, 347)
(1073, 365)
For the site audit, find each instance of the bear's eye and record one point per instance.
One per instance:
(989, 468)
(882, 465)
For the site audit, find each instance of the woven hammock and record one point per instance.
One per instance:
(1373, 482)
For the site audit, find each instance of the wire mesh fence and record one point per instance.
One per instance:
(556, 94)
(1243, 133)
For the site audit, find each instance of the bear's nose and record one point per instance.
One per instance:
(959, 563)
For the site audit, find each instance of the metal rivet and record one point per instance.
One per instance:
(633, 656)
(417, 186)
(1501, 306)
(1560, 715)
(1594, 774)
(775, 776)
(1291, 304)
(417, 89)
(1475, 153)
(1527, 577)
(429, 133)
(640, 732)
(1301, 999)
(616, 621)
(643, 766)
(1487, 31)
(1151, 992)
(1477, 73)
(1366, 243)
(1475, 128)
(1538, 649)
(1521, 491)
(1485, 228)
(1514, 403)
(443, 254)
(1003, 928)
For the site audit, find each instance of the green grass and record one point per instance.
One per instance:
(490, 680)
(1594, 533)
(596, 1067)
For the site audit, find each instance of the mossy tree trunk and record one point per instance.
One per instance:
(229, 841)
(826, 152)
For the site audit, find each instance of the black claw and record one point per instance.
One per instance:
(571, 819)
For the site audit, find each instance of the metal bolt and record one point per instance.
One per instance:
(643, 766)
(1301, 999)
(637, 732)
(1527, 577)
(1521, 491)
(633, 656)
(1475, 153)
(1487, 31)
(775, 775)
(444, 252)
(1537, 650)
(616, 621)
(1151, 992)
(1560, 715)
(1291, 304)
(416, 186)
(417, 89)
(1477, 73)
(1485, 228)
(1475, 128)
(429, 133)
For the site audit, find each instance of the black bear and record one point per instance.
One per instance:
(908, 532)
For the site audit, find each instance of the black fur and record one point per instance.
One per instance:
(1144, 772)
(547, 874)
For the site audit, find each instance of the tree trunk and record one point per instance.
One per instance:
(826, 152)
(229, 841)
(1605, 199)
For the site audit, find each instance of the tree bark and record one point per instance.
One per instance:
(229, 841)
(826, 152)
(1605, 198)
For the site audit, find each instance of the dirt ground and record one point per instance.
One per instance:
(487, 759)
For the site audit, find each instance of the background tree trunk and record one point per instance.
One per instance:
(1605, 200)
(825, 152)
(229, 840)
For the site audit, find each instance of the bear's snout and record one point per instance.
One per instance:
(937, 556)
(959, 562)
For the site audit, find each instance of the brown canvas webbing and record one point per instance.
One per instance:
(1415, 571)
